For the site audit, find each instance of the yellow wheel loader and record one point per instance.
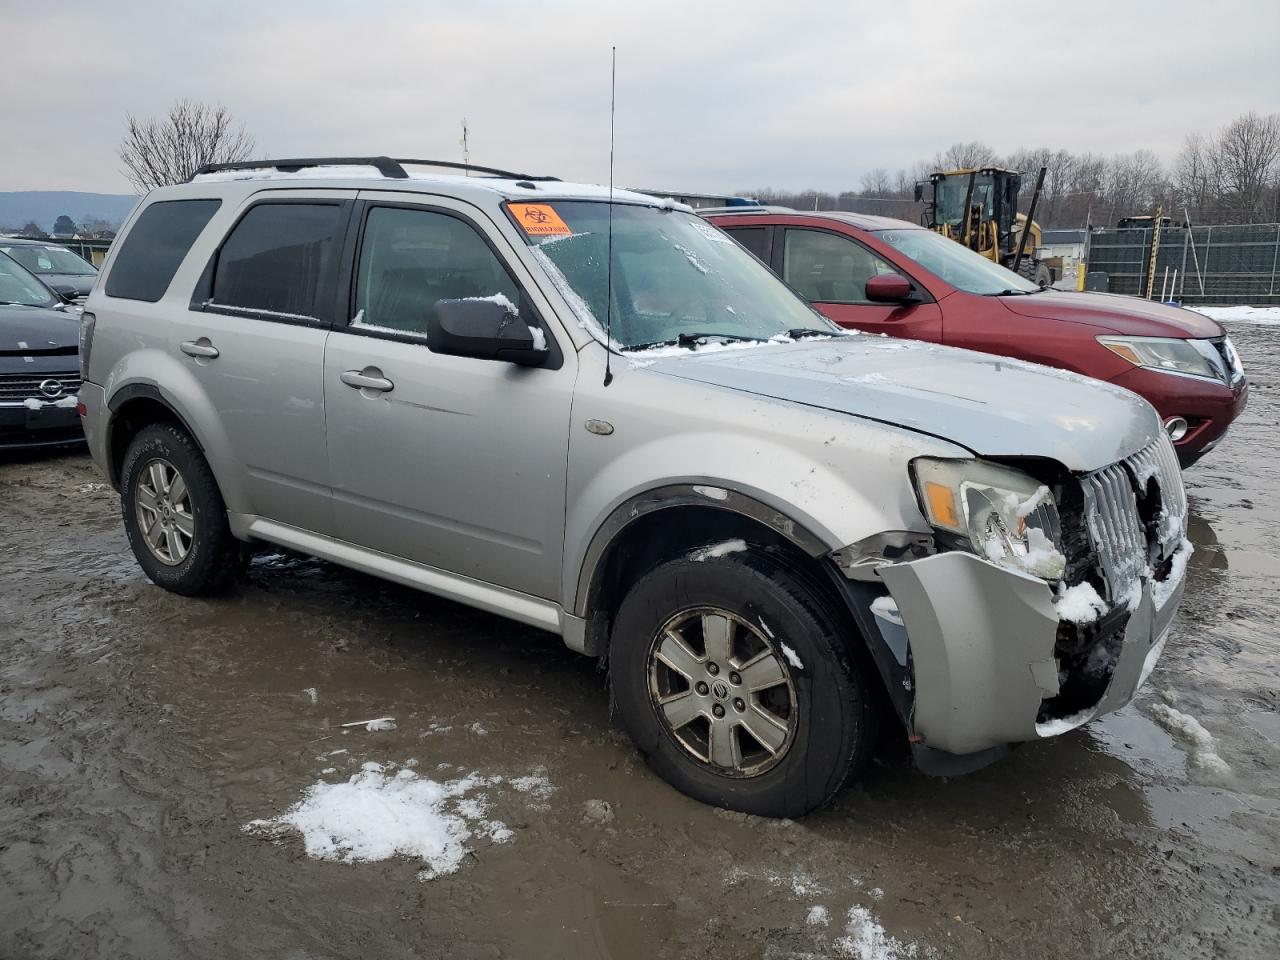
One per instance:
(978, 207)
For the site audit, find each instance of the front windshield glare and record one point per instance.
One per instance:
(20, 287)
(676, 278)
(955, 263)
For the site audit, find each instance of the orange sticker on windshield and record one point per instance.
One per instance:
(539, 220)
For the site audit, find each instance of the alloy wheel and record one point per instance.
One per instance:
(163, 506)
(723, 690)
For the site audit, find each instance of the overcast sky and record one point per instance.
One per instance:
(711, 96)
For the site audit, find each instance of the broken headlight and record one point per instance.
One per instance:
(999, 513)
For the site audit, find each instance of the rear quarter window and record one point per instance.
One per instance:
(156, 246)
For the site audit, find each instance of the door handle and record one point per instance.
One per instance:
(370, 378)
(199, 348)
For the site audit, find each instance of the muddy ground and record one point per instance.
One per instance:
(139, 732)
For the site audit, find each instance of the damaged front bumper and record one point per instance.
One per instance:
(976, 647)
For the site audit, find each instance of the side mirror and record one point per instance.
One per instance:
(919, 192)
(889, 288)
(64, 290)
(484, 330)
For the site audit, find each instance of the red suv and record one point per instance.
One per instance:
(890, 276)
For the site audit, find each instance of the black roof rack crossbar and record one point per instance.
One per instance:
(387, 166)
(491, 171)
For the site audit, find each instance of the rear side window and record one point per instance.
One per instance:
(276, 259)
(155, 248)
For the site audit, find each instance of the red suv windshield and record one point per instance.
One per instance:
(956, 264)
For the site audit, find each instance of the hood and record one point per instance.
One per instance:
(1113, 313)
(32, 330)
(994, 406)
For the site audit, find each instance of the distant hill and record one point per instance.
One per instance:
(45, 206)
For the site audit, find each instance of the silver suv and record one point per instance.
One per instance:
(771, 528)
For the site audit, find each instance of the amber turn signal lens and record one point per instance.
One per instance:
(942, 505)
(1124, 350)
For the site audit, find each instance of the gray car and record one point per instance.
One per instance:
(611, 422)
(67, 273)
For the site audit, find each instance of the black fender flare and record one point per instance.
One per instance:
(147, 391)
(708, 496)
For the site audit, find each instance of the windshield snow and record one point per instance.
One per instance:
(676, 278)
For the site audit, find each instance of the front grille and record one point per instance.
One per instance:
(1137, 512)
(23, 386)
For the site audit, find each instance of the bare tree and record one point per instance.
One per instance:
(1248, 156)
(165, 151)
(876, 183)
(965, 155)
(1196, 172)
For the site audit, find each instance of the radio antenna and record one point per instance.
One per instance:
(608, 270)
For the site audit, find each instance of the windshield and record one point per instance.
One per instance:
(956, 264)
(42, 260)
(676, 278)
(949, 194)
(20, 287)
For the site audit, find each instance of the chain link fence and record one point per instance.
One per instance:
(1232, 264)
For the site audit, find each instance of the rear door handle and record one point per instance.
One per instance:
(370, 378)
(199, 348)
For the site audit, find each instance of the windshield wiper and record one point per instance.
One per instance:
(693, 339)
(799, 333)
(1007, 292)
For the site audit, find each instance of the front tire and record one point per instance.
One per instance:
(174, 515)
(736, 682)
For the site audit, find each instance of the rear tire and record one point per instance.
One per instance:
(816, 714)
(174, 515)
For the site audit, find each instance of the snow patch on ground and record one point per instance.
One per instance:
(537, 786)
(380, 725)
(383, 812)
(1265, 315)
(865, 939)
(715, 550)
(1201, 747)
(817, 916)
(312, 694)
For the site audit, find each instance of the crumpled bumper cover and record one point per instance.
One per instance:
(982, 646)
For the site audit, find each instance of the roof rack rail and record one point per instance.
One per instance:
(387, 166)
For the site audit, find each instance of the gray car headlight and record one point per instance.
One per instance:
(1166, 354)
(999, 513)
